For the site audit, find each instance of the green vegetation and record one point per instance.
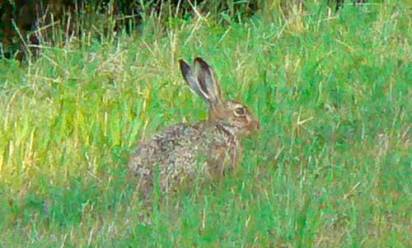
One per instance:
(332, 165)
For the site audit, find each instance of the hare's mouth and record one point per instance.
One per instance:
(252, 127)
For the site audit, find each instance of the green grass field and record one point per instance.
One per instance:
(330, 167)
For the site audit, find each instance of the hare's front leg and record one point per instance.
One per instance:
(235, 156)
(219, 159)
(224, 158)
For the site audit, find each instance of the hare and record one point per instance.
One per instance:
(184, 152)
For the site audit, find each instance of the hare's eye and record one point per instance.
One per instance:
(240, 111)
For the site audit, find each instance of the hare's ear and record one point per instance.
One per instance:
(191, 80)
(208, 82)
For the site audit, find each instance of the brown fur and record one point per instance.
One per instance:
(184, 153)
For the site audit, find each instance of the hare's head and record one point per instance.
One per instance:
(233, 116)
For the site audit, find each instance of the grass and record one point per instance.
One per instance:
(331, 166)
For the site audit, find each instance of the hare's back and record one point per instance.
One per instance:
(164, 146)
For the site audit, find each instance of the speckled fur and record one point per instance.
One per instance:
(207, 149)
(183, 152)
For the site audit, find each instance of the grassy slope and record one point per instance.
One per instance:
(331, 166)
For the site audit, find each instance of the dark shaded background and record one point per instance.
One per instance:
(25, 24)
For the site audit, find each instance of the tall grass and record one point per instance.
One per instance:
(331, 166)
